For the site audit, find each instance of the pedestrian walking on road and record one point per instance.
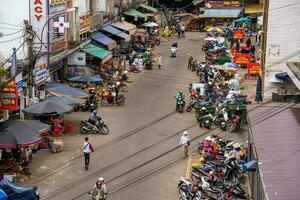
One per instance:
(87, 148)
(190, 60)
(182, 30)
(159, 61)
(185, 142)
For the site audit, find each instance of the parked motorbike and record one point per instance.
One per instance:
(192, 104)
(148, 64)
(100, 127)
(221, 118)
(109, 100)
(206, 121)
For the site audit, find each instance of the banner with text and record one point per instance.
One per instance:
(9, 97)
(242, 58)
(238, 34)
(253, 68)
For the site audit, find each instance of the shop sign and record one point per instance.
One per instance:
(59, 45)
(242, 58)
(55, 2)
(96, 21)
(40, 73)
(238, 34)
(38, 17)
(77, 58)
(253, 68)
(9, 97)
(84, 23)
(19, 82)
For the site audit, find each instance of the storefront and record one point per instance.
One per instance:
(96, 56)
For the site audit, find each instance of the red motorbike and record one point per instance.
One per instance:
(109, 100)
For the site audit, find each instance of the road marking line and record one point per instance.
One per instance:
(189, 164)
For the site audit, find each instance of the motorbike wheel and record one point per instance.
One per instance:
(82, 129)
(121, 101)
(104, 102)
(104, 129)
(182, 189)
(124, 88)
(180, 109)
(232, 128)
(189, 109)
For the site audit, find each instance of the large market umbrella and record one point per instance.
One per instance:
(93, 79)
(243, 19)
(215, 29)
(3, 196)
(258, 96)
(150, 24)
(22, 133)
(66, 100)
(63, 90)
(47, 107)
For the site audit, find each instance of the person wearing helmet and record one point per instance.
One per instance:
(179, 96)
(93, 117)
(99, 192)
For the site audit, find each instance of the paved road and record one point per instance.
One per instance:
(140, 158)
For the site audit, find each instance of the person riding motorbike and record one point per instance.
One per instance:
(99, 191)
(104, 93)
(93, 117)
(179, 96)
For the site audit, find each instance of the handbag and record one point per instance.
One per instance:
(188, 143)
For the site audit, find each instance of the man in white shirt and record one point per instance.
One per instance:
(87, 148)
(185, 142)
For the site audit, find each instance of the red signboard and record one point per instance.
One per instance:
(242, 58)
(9, 97)
(238, 34)
(253, 68)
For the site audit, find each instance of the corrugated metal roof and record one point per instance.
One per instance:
(276, 133)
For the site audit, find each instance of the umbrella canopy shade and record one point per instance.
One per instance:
(148, 7)
(186, 15)
(125, 26)
(215, 29)
(94, 78)
(66, 100)
(115, 32)
(47, 107)
(150, 24)
(96, 51)
(274, 79)
(134, 13)
(210, 39)
(243, 19)
(3, 196)
(22, 133)
(101, 39)
(63, 90)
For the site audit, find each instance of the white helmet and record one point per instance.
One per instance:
(185, 132)
(101, 179)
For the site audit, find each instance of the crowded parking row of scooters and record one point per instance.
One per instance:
(218, 172)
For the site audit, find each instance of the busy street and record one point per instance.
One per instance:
(148, 100)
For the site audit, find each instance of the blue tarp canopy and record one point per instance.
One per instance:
(101, 39)
(283, 76)
(112, 30)
(3, 196)
(221, 13)
(59, 89)
(14, 192)
(93, 79)
(47, 107)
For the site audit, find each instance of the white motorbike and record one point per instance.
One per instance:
(173, 52)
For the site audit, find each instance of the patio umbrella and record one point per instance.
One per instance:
(63, 90)
(210, 39)
(258, 96)
(215, 29)
(47, 107)
(66, 100)
(22, 133)
(150, 24)
(242, 20)
(94, 78)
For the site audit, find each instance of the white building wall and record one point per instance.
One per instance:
(13, 12)
(83, 6)
(283, 39)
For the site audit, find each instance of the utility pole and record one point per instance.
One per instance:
(264, 44)
(29, 35)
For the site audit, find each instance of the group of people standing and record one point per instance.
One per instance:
(180, 29)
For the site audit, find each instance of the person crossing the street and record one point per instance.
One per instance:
(87, 149)
(185, 142)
